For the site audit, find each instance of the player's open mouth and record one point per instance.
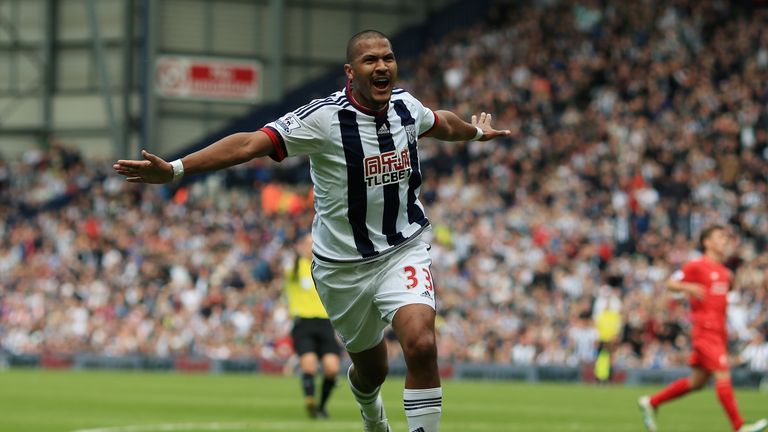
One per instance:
(381, 83)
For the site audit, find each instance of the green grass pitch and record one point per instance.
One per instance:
(69, 401)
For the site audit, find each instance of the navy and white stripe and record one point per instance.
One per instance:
(308, 109)
(415, 212)
(417, 404)
(362, 211)
(423, 407)
(317, 103)
(391, 191)
(357, 195)
(756, 357)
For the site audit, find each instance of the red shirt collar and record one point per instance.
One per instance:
(364, 110)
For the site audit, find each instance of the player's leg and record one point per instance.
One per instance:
(715, 358)
(308, 366)
(347, 292)
(699, 378)
(649, 404)
(365, 376)
(602, 367)
(406, 298)
(724, 390)
(330, 360)
(695, 381)
(414, 326)
(304, 346)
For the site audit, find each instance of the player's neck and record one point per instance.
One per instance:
(714, 256)
(363, 102)
(360, 101)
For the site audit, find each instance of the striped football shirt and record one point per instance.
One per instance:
(756, 357)
(365, 168)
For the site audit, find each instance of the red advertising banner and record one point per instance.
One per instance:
(212, 79)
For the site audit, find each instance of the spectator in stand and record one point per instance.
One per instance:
(755, 354)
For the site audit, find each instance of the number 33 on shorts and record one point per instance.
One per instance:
(415, 277)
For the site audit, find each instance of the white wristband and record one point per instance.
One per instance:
(178, 169)
(479, 134)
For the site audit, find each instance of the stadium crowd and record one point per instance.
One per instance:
(633, 127)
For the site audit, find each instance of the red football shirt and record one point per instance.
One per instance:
(709, 313)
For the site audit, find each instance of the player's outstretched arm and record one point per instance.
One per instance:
(452, 128)
(690, 288)
(228, 151)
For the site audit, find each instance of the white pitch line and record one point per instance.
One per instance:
(327, 426)
(265, 426)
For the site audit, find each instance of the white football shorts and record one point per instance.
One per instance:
(361, 298)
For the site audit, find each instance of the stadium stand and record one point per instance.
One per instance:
(628, 139)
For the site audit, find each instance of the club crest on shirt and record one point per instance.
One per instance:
(410, 131)
(288, 123)
(714, 275)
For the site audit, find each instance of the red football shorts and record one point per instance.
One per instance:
(709, 355)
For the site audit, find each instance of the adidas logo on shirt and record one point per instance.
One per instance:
(426, 294)
(383, 130)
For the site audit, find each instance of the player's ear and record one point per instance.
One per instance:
(348, 71)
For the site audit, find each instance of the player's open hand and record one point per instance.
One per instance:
(150, 170)
(484, 123)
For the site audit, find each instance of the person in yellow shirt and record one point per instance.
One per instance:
(314, 339)
(607, 314)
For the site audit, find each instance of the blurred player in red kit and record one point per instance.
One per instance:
(706, 281)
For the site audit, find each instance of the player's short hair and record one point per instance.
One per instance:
(707, 233)
(365, 34)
